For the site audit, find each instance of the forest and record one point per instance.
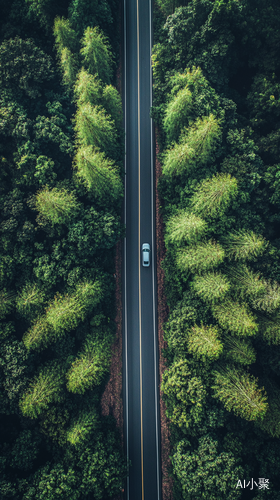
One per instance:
(61, 191)
(216, 106)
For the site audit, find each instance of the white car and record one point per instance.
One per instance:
(146, 254)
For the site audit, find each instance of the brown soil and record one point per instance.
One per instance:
(167, 483)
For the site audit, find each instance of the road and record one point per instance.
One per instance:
(140, 354)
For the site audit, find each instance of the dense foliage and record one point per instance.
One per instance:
(61, 155)
(216, 72)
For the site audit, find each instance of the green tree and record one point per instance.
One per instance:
(200, 257)
(177, 114)
(204, 343)
(271, 421)
(244, 245)
(206, 472)
(112, 102)
(211, 286)
(270, 300)
(65, 36)
(178, 159)
(238, 350)
(184, 227)
(235, 317)
(246, 282)
(87, 89)
(82, 427)
(24, 67)
(203, 136)
(239, 392)
(69, 67)
(94, 128)
(269, 326)
(99, 174)
(30, 300)
(96, 54)
(89, 367)
(43, 390)
(56, 206)
(6, 302)
(184, 395)
(213, 196)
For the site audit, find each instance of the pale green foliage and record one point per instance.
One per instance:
(176, 114)
(270, 300)
(203, 136)
(201, 257)
(38, 334)
(63, 314)
(98, 173)
(87, 89)
(56, 206)
(96, 54)
(66, 312)
(239, 350)
(184, 393)
(29, 299)
(211, 286)
(203, 342)
(6, 302)
(69, 67)
(271, 421)
(239, 392)
(178, 159)
(235, 317)
(90, 366)
(269, 327)
(244, 245)
(113, 104)
(246, 282)
(65, 36)
(83, 427)
(184, 227)
(213, 196)
(94, 128)
(43, 390)
(196, 144)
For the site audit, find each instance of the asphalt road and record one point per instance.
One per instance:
(140, 355)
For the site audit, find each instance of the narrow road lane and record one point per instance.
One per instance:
(140, 381)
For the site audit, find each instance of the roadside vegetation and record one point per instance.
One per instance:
(61, 155)
(216, 72)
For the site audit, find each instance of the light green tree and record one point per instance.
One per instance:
(184, 227)
(244, 245)
(204, 343)
(30, 299)
(112, 102)
(90, 366)
(65, 36)
(235, 317)
(87, 89)
(98, 173)
(43, 390)
(64, 313)
(6, 302)
(269, 327)
(211, 287)
(271, 421)
(184, 394)
(94, 128)
(69, 67)
(82, 427)
(270, 300)
(178, 159)
(246, 282)
(203, 136)
(177, 114)
(239, 392)
(213, 196)
(96, 54)
(200, 257)
(239, 350)
(57, 206)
